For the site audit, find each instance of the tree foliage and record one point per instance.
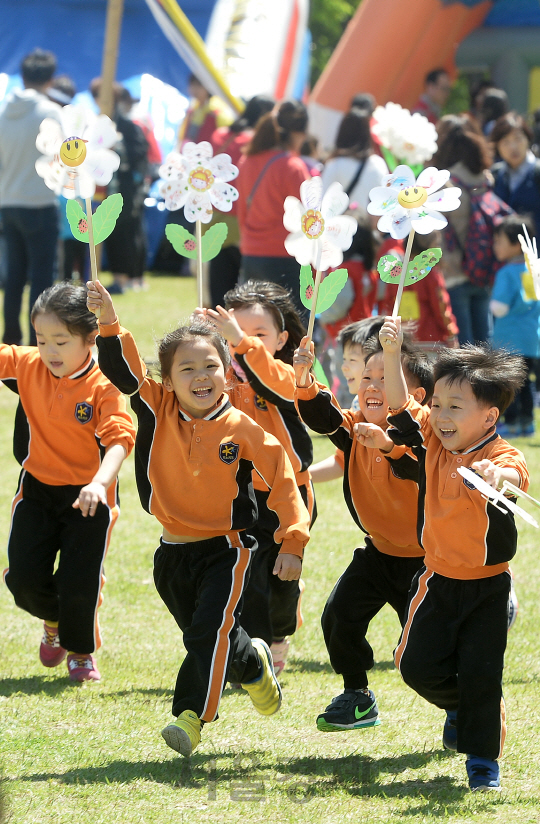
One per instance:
(327, 22)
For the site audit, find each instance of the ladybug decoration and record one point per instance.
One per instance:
(189, 245)
(309, 292)
(82, 225)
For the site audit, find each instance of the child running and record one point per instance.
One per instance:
(380, 489)
(194, 457)
(452, 646)
(72, 433)
(263, 329)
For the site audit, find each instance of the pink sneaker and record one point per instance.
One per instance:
(280, 651)
(82, 668)
(50, 652)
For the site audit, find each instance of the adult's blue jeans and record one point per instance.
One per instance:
(470, 305)
(31, 237)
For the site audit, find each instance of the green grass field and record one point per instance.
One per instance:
(94, 753)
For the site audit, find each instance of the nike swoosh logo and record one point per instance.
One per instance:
(359, 715)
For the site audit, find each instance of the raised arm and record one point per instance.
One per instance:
(391, 338)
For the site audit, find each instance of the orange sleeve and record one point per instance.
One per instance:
(115, 425)
(274, 374)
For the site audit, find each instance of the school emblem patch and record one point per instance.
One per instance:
(228, 452)
(467, 483)
(84, 412)
(260, 403)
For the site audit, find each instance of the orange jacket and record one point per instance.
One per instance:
(194, 475)
(62, 424)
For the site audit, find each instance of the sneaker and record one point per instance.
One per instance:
(513, 605)
(483, 774)
(115, 289)
(280, 651)
(527, 430)
(82, 668)
(264, 691)
(184, 734)
(351, 710)
(50, 652)
(449, 735)
(508, 430)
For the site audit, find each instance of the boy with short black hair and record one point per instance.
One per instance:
(516, 310)
(380, 489)
(452, 645)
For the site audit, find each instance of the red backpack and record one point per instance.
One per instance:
(479, 262)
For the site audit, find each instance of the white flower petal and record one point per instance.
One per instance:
(383, 200)
(196, 153)
(75, 120)
(53, 173)
(222, 196)
(400, 178)
(292, 217)
(428, 223)
(398, 224)
(432, 179)
(175, 167)
(81, 185)
(174, 194)
(50, 137)
(100, 164)
(222, 167)
(198, 206)
(311, 193)
(300, 247)
(445, 201)
(339, 231)
(331, 256)
(101, 133)
(335, 201)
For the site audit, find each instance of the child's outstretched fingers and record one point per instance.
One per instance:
(490, 471)
(303, 361)
(287, 567)
(390, 335)
(100, 302)
(226, 324)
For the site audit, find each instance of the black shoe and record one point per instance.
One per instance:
(449, 735)
(351, 710)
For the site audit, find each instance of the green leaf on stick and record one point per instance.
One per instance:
(213, 239)
(105, 217)
(389, 267)
(330, 288)
(320, 374)
(306, 286)
(78, 222)
(181, 240)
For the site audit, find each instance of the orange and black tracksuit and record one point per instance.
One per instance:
(381, 493)
(271, 606)
(63, 427)
(195, 476)
(452, 645)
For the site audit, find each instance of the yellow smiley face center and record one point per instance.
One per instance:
(412, 197)
(312, 224)
(73, 151)
(201, 179)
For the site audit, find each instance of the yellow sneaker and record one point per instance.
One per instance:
(184, 734)
(265, 692)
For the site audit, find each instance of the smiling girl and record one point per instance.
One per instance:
(72, 432)
(194, 458)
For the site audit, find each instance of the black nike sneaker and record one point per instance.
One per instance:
(351, 710)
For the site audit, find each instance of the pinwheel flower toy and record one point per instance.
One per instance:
(404, 137)
(198, 182)
(77, 157)
(319, 234)
(407, 205)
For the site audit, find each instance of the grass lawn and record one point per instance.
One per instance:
(94, 753)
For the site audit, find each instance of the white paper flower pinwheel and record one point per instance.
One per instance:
(405, 203)
(410, 137)
(80, 134)
(319, 231)
(198, 181)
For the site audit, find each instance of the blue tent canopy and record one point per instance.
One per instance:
(74, 30)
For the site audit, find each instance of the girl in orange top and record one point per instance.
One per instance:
(263, 329)
(194, 458)
(72, 432)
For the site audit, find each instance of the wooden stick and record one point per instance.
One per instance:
(312, 313)
(403, 275)
(198, 236)
(113, 25)
(91, 244)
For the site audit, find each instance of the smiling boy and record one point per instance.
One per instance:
(381, 492)
(452, 646)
